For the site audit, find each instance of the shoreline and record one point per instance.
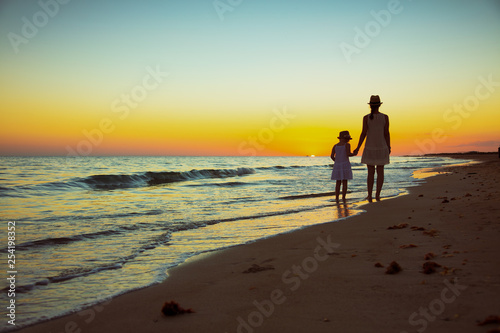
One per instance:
(224, 298)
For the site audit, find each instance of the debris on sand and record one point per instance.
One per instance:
(173, 308)
(398, 226)
(393, 268)
(448, 271)
(429, 256)
(256, 268)
(407, 246)
(432, 232)
(429, 267)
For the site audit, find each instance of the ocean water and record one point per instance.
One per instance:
(89, 228)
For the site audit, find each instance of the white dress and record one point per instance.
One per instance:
(376, 151)
(341, 167)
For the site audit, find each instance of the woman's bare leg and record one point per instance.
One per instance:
(380, 181)
(369, 181)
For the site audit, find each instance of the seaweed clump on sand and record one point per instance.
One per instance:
(173, 308)
(393, 268)
(429, 256)
(429, 267)
(398, 226)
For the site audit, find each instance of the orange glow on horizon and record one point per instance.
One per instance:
(139, 136)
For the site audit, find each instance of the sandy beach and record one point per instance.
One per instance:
(332, 277)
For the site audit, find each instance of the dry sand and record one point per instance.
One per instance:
(324, 279)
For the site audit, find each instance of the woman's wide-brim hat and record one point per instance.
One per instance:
(375, 100)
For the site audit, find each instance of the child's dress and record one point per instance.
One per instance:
(341, 166)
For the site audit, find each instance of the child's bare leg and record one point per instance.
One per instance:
(344, 188)
(380, 181)
(369, 181)
(337, 189)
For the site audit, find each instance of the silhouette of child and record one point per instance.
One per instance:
(342, 167)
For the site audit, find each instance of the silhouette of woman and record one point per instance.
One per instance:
(377, 147)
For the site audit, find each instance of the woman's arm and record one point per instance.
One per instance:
(387, 135)
(363, 134)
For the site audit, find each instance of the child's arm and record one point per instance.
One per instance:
(348, 150)
(332, 155)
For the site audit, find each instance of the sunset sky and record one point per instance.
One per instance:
(245, 77)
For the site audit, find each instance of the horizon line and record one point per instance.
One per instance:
(311, 156)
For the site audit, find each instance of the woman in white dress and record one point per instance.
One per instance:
(377, 147)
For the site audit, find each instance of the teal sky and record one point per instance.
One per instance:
(263, 54)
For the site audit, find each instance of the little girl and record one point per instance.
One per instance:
(342, 167)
